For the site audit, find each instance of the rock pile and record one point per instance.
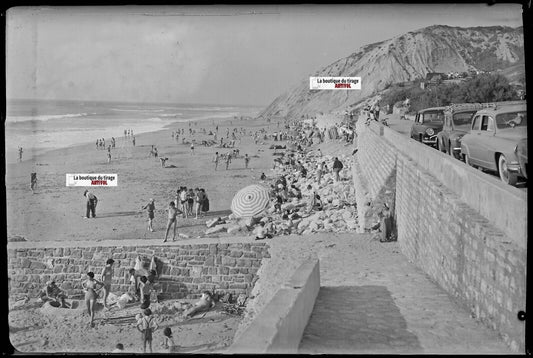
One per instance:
(295, 214)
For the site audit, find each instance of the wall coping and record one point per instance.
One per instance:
(280, 325)
(128, 242)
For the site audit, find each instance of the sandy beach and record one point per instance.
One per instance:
(56, 213)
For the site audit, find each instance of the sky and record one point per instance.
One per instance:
(231, 55)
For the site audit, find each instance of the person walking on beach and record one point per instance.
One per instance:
(192, 148)
(216, 159)
(20, 154)
(172, 220)
(147, 326)
(109, 157)
(228, 160)
(151, 208)
(33, 182)
(337, 167)
(134, 141)
(246, 161)
(91, 294)
(92, 200)
(106, 277)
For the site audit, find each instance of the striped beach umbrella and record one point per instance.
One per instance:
(250, 201)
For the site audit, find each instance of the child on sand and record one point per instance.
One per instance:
(172, 220)
(147, 325)
(119, 348)
(107, 276)
(168, 342)
(151, 208)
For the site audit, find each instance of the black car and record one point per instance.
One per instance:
(428, 122)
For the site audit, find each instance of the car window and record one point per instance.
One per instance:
(433, 117)
(485, 120)
(475, 123)
(512, 119)
(463, 118)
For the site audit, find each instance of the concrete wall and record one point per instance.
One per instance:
(280, 325)
(479, 259)
(187, 269)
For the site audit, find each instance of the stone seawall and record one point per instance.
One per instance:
(474, 260)
(185, 269)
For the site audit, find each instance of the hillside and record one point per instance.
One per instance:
(407, 57)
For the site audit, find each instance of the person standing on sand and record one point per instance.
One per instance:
(147, 326)
(200, 198)
(172, 220)
(151, 208)
(190, 201)
(106, 277)
(183, 201)
(246, 161)
(134, 141)
(216, 159)
(91, 294)
(109, 157)
(20, 154)
(92, 200)
(192, 148)
(33, 182)
(228, 160)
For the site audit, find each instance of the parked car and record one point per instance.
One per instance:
(497, 141)
(428, 122)
(457, 122)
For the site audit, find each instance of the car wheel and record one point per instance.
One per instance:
(506, 176)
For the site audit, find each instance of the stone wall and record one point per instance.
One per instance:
(475, 261)
(185, 269)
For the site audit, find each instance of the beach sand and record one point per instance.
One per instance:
(56, 213)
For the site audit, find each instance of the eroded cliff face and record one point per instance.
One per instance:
(406, 58)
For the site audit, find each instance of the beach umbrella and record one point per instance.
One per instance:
(250, 201)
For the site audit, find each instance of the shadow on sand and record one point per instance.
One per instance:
(359, 320)
(118, 213)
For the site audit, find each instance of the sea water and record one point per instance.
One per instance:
(41, 125)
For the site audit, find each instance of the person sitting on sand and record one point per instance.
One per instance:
(51, 292)
(263, 176)
(151, 208)
(147, 326)
(163, 161)
(261, 232)
(172, 220)
(91, 294)
(107, 276)
(205, 303)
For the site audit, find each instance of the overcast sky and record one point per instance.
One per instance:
(218, 55)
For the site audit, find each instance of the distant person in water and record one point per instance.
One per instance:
(20, 154)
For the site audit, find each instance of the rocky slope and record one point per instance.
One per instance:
(405, 58)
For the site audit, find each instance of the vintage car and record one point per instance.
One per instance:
(457, 121)
(496, 141)
(428, 122)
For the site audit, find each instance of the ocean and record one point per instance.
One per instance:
(41, 125)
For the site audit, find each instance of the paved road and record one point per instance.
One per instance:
(373, 300)
(404, 127)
